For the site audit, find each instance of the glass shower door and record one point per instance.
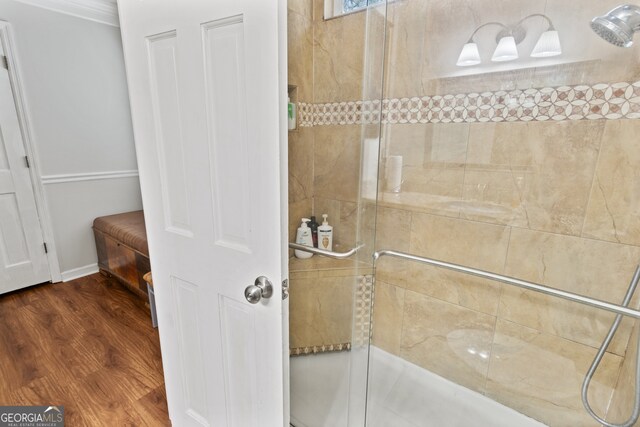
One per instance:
(335, 78)
(513, 129)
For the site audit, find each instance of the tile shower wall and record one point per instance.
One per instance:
(300, 70)
(523, 180)
(330, 300)
(499, 176)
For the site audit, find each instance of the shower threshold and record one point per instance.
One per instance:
(400, 395)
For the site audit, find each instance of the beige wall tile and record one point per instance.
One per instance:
(337, 162)
(446, 339)
(392, 231)
(365, 225)
(464, 242)
(406, 32)
(598, 269)
(320, 311)
(301, 7)
(549, 165)
(300, 164)
(621, 406)
(446, 144)
(434, 181)
(393, 270)
(461, 289)
(420, 202)
(497, 195)
(300, 48)
(339, 58)
(541, 375)
(318, 10)
(387, 317)
(405, 140)
(614, 207)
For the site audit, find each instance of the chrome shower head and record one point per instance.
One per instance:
(618, 26)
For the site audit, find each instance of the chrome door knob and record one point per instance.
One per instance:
(262, 288)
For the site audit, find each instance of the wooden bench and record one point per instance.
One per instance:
(121, 242)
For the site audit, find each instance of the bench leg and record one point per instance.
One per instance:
(152, 306)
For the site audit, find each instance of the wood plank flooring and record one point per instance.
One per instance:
(87, 344)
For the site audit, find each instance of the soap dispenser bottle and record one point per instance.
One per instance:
(325, 235)
(303, 237)
(291, 114)
(313, 225)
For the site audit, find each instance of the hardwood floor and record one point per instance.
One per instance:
(87, 344)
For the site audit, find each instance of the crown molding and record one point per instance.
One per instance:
(102, 11)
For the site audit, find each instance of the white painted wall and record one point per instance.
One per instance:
(74, 82)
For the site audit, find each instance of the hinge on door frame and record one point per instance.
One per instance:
(5, 62)
(285, 289)
(26, 161)
(46, 250)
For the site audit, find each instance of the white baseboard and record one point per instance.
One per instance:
(76, 273)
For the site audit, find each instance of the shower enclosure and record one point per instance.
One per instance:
(480, 164)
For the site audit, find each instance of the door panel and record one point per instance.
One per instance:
(23, 261)
(226, 119)
(207, 105)
(165, 99)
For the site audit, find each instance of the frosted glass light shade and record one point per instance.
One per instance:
(506, 50)
(469, 55)
(548, 45)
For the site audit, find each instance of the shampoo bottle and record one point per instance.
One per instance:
(313, 225)
(325, 235)
(303, 237)
(291, 114)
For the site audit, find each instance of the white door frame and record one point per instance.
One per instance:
(8, 44)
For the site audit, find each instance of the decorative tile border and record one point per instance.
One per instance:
(299, 351)
(363, 305)
(579, 102)
(305, 114)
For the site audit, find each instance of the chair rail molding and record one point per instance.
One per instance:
(87, 176)
(102, 11)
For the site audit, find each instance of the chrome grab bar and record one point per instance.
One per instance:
(581, 299)
(330, 254)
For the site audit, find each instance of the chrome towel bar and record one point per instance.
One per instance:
(330, 254)
(581, 299)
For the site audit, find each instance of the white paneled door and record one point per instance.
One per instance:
(207, 88)
(23, 260)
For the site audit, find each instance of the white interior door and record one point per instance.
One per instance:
(23, 260)
(206, 89)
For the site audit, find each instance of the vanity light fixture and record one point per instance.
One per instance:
(507, 39)
(469, 55)
(506, 50)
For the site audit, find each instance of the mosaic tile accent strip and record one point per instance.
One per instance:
(579, 102)
(305, 114)
(300, 351)
(362, 323)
